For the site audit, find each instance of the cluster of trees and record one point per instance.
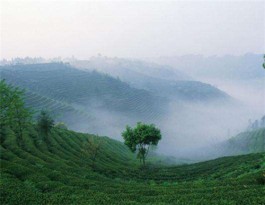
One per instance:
(29, 60)
(35, 60)
(16, 117)
(13, 113)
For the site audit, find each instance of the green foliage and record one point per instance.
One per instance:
(57, 172)
(13, 113)
(92, 148)
(140, 138)
(261, 178)
(45, 123)
(34, 174)
(54, 172)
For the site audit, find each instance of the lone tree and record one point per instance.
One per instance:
(140, 138)
(45, 123)
(92, 148)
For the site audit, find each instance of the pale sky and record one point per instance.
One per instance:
(134, 29)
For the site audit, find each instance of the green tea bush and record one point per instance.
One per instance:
(36, 174)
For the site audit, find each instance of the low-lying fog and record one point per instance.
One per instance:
(192, 129)
(188, 128)
(150, 30)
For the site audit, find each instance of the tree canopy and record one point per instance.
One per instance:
(45, 123)
(13, 113)
(140, 138)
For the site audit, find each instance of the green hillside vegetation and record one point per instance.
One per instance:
(60, 110)
(59, 172)
(64, 83)
(82, 99)
(75, 97)
(247, 142)
(197, 91)
(58, 169)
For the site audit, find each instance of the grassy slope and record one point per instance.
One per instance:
(57, 172)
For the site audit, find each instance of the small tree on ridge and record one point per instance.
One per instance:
(45, 123)
(140, 138)
(92, 148)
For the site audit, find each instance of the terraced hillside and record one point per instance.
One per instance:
(159, 79)
(58, 172)
(60, 110)
(79, 97)
(69, 85)
(86, 100)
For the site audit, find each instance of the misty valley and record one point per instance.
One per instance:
(132, 102)
(206, 136)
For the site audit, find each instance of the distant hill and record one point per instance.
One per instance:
(159, 79)
(64, 83)
(80, 93)
(193, 91)
(128, 69)
(246, 142)
(228, 67)
(88, 100)
(60, 110)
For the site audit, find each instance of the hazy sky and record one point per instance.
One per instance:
(131, 28)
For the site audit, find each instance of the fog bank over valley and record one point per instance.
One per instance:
(195, 112)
